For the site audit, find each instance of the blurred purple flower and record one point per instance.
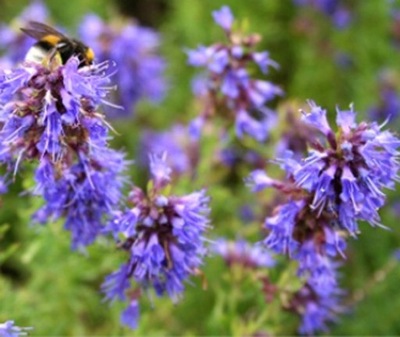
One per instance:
(224, 18)
(195, 128)
(396, 254)
(232, 155)
(164, 237)
(243, 253)
(255, 126)
(175, 142)
(388, 106)
(14, 43)
(316, 266)
(8, 329)
(258, 181)
(135, 50)
(130, 316)
(318, 304)
(344, 60)
(337, 10)
(246, 214)
(395, 26)
(342, 17)
(295, 134)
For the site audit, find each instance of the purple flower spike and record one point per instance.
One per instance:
(321, 200)
(51, 117)
(362, 161)
(339, 183)
(318, 303)
(227, 89)
(163, 236)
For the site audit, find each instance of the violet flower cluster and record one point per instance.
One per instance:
(8, 329)
(177, 142)
(337, 10)
(388, 106)
(327, 193)
(395, 25)
(243, 253)
(163, 235)
(232, 154)
(135, 49)
(316, 305)
(49, 117)
(227, 89)
(295, 134)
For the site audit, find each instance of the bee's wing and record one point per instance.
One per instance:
(38, 30)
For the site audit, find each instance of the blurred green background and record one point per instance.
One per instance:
(45, 285)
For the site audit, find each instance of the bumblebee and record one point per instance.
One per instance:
(51, 43)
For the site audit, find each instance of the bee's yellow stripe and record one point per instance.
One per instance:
(52, 39)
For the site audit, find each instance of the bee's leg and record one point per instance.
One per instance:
(54, 58)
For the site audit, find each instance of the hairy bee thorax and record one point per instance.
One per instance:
(52, 44)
